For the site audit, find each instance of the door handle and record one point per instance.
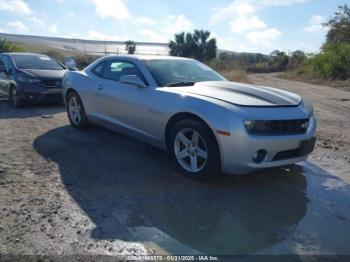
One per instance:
(100, 87)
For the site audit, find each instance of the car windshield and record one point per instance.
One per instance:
(180, 72)
(38, 62)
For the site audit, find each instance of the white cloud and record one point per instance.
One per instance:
(111, 8)
(53, 29)
(269, 3)
(95, 35)
(41, 25)
(145, 20)
(166, 28)
(235, 8)
(316, 24)
(264, 37)
(250, 32)
(18, 26)
(177, 23)
(15, 6)
(242, 24)
(241, 15)
(243, 8)
(153, 36)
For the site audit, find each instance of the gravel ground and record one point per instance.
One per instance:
(70, 192)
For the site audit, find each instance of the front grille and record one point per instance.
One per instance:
(53, 97)
(305, 148)
(279, 127)
(289, 154)
(51, 83)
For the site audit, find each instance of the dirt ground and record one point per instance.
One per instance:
(69, 192)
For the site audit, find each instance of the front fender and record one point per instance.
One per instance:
(214, 113)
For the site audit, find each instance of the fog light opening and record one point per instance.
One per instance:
(259, 156)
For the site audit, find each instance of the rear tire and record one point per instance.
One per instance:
(76, 112)
(194, 150)
(14, 98)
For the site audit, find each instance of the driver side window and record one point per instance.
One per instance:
(113, 70)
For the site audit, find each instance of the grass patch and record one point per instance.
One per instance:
(296, 76)
(235, 75)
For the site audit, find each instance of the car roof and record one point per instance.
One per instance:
(148, 57)
(21, 53)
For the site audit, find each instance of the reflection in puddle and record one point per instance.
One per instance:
(272, 212)
(231, 216)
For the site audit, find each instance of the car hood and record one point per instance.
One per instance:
(240, 94)
(45, 74)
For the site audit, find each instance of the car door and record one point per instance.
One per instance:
(124, 105)
(5, 79)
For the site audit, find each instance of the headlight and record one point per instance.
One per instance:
(25, 79)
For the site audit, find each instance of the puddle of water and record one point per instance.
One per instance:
(299, 211)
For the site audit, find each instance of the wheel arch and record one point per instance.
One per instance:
(182, 116)
(68, 91)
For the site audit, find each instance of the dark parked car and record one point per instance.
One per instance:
(27, 77)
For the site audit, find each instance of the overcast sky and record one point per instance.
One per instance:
(238, 25)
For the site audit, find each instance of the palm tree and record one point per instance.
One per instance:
(207, 46)
(196, 45)
(130, 46)
(177, 47)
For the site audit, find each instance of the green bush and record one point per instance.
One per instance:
(332, 63)
(6, 46)
(296, 60)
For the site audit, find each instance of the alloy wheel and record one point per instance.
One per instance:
(74, 108)
(190, 150)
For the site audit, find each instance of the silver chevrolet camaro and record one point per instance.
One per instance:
(208, 124)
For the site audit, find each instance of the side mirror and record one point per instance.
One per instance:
(70, 63)
(132, 80)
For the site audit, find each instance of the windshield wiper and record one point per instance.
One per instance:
(188, 83)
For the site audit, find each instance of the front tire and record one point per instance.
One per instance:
(76, 111)
(194, 149)
(15, 100)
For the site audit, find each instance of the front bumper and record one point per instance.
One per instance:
(38, 93)
(238, 149)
